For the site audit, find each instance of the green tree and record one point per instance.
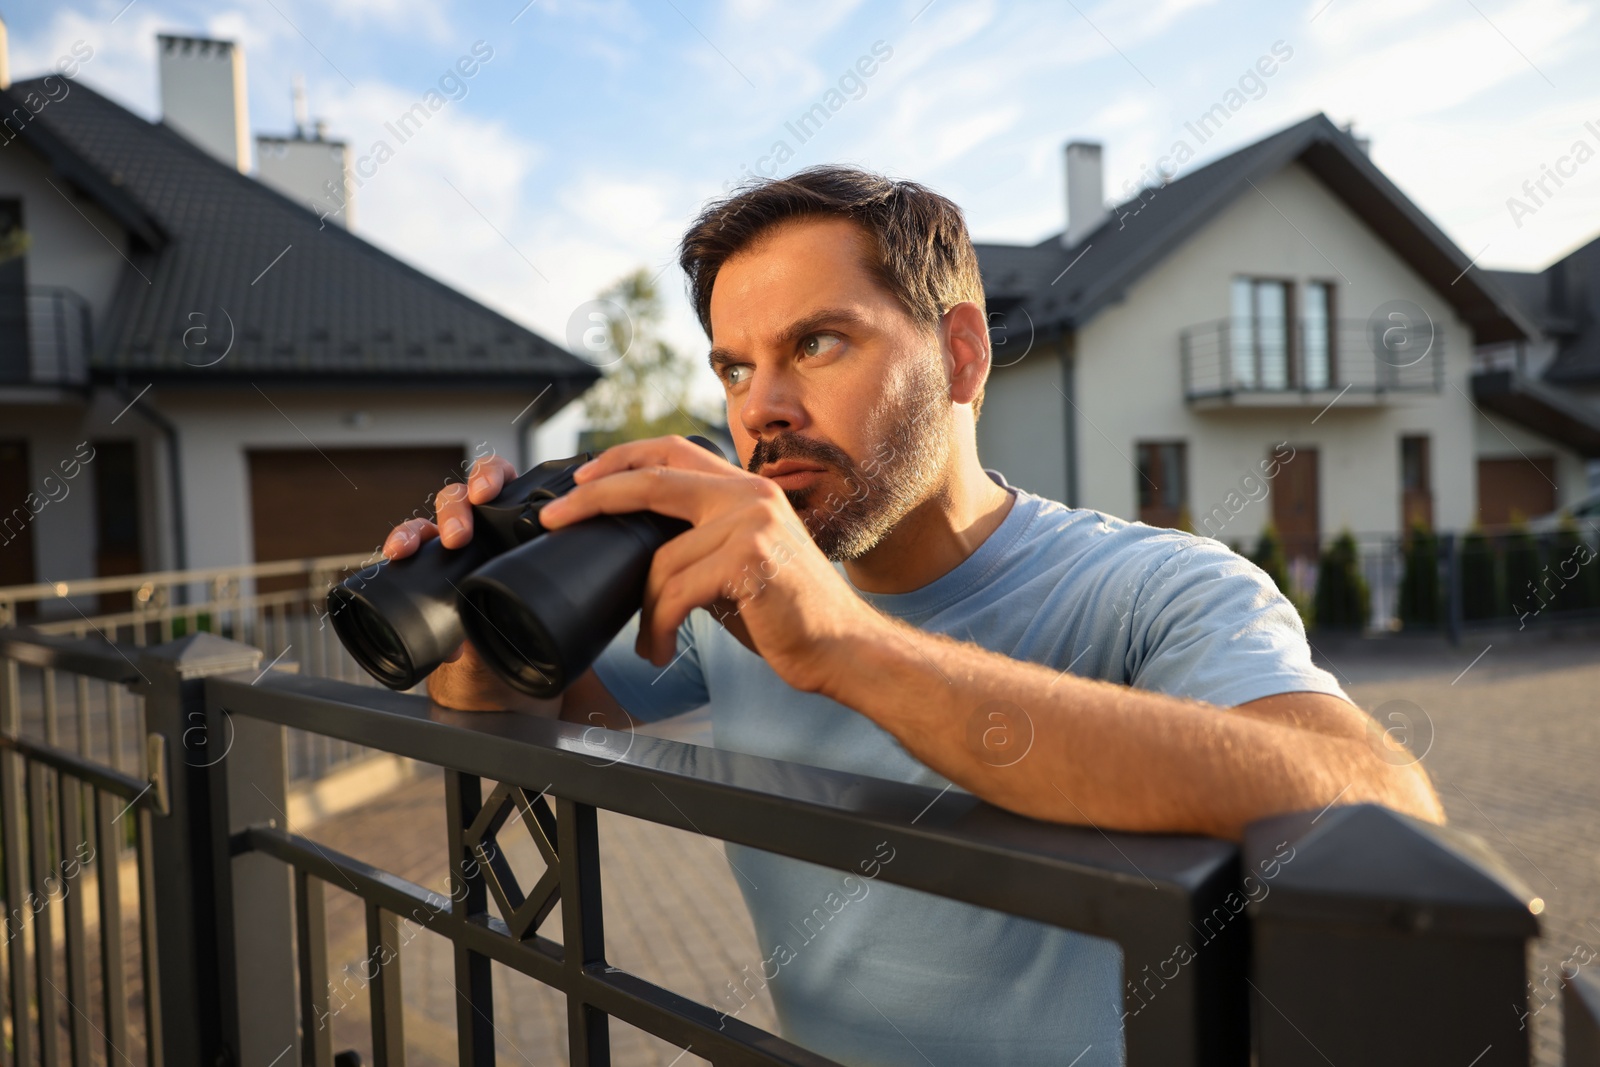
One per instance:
(14, 242)
(1480, 587)
(1269, 557)
(1419, 584)
(1341, 596)
(1571, 572)
(1523, 595)
(645, 391)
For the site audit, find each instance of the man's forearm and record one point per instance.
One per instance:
(1104, 754)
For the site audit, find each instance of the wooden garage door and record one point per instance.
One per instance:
(1507, 486)
(309, 503)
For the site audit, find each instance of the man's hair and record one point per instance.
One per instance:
(919, 247)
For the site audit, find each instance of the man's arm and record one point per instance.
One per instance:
(1109, 755)
(1104, 754)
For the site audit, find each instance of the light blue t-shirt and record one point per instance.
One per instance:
(868, 972)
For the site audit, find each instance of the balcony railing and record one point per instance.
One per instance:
(1259, 361)
(1262, 953)
(45, 337)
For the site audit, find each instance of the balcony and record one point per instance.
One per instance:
(1262, 363)
(45, 337)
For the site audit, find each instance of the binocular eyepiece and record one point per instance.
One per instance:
(539, 605)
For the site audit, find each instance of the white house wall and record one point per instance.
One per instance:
(1129, 381)
(66, 250)
(1019, 427)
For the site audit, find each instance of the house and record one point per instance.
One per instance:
(1279, 336)
(1552, 380)
(196, 369)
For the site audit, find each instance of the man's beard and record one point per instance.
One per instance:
(905, 466)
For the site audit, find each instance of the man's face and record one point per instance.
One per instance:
(833, 391)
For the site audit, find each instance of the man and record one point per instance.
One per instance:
(860, 593)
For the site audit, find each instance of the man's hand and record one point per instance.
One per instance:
(747, 557)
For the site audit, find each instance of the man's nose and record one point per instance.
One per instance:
(773, 403)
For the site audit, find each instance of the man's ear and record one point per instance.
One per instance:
(964, 341)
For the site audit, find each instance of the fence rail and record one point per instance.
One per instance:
(1228, 952)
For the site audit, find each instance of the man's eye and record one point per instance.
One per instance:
(736, 375)
(818, 343)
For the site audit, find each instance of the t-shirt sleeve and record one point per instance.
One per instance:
(650, 693)
(1210, 625)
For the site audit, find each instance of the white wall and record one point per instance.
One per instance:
(1129, 378)
(66, 250)
(1019, 428)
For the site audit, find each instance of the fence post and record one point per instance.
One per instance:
(194, 900)
(1580, 1010)
(1450, 545)
(1383, 940)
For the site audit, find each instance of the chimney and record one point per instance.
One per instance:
(1086, 208)
(1363, 143)
(203, 95)
(307, 167)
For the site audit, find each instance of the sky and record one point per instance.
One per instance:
(597, 129)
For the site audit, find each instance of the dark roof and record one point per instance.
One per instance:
(330, 308)
(1564, 300)
(1065, 287)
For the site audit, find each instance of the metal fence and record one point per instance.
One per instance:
(277, 607)
(1302, 945)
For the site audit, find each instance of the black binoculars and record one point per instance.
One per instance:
(539, 605)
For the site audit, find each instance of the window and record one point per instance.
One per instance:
(1266, 350)
(1259, 334)
(1163, 482)
(1316, 336)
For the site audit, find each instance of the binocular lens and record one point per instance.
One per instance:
(511, 638)
(370, 639)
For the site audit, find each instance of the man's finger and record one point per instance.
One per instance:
(454, 515)
(671, 451)
(673, 559)
(695, 586)
(488, 476)
(406, 538)
(679, 494)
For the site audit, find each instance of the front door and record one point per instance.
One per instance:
(1294, 505)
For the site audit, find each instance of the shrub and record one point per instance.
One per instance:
(1341, 596)
(1571, 573)
(1480, 590)
(1419, 584)
(1522, 593)
(1269, 557)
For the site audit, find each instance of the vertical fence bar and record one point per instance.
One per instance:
(474, 981)
(149, 945)
(108, 875)
(13, 811)
(311, 935)
(383, 956)
(582, 929)
(194, 907)
(69, 870)
(44, 948)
